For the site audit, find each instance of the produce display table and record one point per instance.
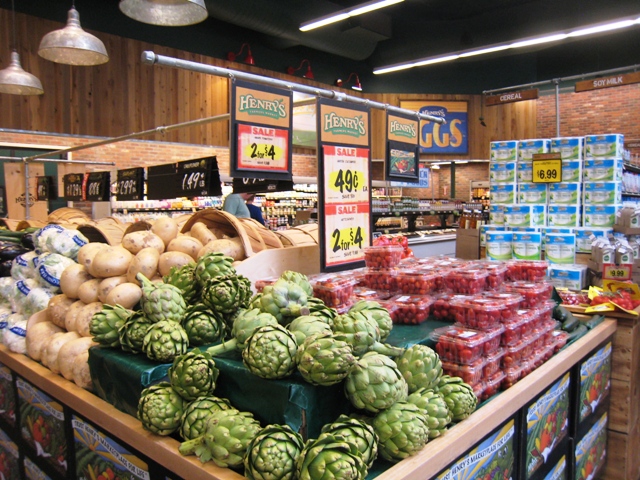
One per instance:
(436, 456)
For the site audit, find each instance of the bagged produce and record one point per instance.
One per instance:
(50, 268)
(4, 315)
(37, 299)
(41, 236)
(19, 293)
(24, 266)
(6, 289)
(67, 243)
(15, 334)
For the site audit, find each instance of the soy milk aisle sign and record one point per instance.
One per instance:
(344, 184)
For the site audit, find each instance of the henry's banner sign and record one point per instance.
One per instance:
(511, 97)
(261, 123)
(448, 138)
(402, 129)
(607, 82)
(343, 125)
(402, 148)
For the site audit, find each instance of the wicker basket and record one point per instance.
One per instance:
(66, 215)
(139, 226)
(295, 237)
(223, 223)
(9, 223)
(103, 232)
(22, 224)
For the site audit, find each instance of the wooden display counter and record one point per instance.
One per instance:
(436, 456)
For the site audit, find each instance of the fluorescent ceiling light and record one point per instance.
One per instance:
(526, 42)
(349, 12)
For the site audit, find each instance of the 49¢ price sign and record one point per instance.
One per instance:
(347, 177)
(263, 148)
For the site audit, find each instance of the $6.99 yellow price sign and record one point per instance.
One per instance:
(546, 170)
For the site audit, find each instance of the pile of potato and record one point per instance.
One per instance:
(106, 274)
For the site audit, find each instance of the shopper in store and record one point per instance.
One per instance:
(254, 210)
(234, 203)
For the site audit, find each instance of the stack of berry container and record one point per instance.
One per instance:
(335, 290)
(498, 274)
(466, 281)
(527, 270)
(408, 309)
(381, 267)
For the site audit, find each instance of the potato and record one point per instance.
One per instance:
(80, 371)
(111, 262)
(88, 291)
(83, 319)
(232, 247)
(72, 315)
(126, 294)
(166, 228)
(51, 350)
(88, 252)
(57, 309)
(108, 284)
(172, 259)
(136, 241)
(145, 262)
(189, 245)
(73, 276)
(200, 231)
(69, 351)
(37, 336)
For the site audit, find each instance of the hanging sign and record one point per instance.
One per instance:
(344, 189)
(96, 186)
(43, 190)
(546, 168)
(198, 178)
(402, 151)
(161, 182)
(130, 184)
(607, 82)
(73, 187)
(261, 185)
(450, 137)
(261, 125)
(511, 97)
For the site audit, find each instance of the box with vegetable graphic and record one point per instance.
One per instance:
(591, 451)
(496, 214)
(603, 170)
(528, 148)
(549, 230)
(493, 458)
(498, 245)
(7, 397)
(602, 193)
(570, 148)
(33, 471)
(100, 457)
(594, 377)
(502, 172)
(504, 151)
(489, 228)
(527, 246)
(42, 425)
(547, 425)
(9, 458)
(559, 470)
(518, 215)
(603, 146)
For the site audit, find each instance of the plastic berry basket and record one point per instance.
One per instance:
(366, 293)
(511, 376)
(497, 273)
(494, 338)
(493, 363)
(459, 344)
(333, 290)
(533, 294)
(383, 256)
(380, 279)
(443, 308)
(471, 374)
(561, 337)
(516, 354)
(511, 301)
(468, 282)
(411, 309)
(527, 270)
(545, 312)
(478, 312)
(492, 384)
(417, 282)
(263, 282)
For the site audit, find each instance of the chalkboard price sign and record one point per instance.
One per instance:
(43, 191)
(96, 186)
(199, 177)
(73, 186)
(130, 184)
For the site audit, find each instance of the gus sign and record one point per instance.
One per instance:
(450, 137)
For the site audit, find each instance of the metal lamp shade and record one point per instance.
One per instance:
(71, 45)
(16, 81)
(165, 13)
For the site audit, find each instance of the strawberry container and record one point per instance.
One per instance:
(263, 282)
(492, 385)
(334, 290)
(442, 308)
(468, 282)
(471, 374)
(547, 338)
(561, 337)
(380, 279)
(459, 344)
(417, 282)
(492, 363)
(533, 294)
(410, 309)
(383, 256)
(478, 312)
(494, 338)
(527, 270)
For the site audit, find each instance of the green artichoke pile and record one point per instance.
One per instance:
(193, 374)
(197, 412)
(226, 294)
(203, 326)
(330, 457)
(164, 341)
(160, 409)
(435, 408)
(376, 312)
(420, 366)
(355, 431)
(214, 264)
(105, 325)
(459, 396)
(324, 360)
(184, 279)
(402, 431)
(272, 454)
(161, 301)
(285, 300)
(271, 352)
(133, 331)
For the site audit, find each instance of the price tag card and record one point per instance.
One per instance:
(196, 178)
(43, 191)
(96, 186)
(263, 148)
(347, 174)
(347, 228)
(72, 183)
(611, 271)
(130, 184)
(546, 168)
(161, 181)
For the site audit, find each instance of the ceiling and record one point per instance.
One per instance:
(409, 30)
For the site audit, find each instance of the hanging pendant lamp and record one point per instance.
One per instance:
(71, 45)
(13, 79)
(165, 13)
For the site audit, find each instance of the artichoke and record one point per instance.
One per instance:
(213, 264)
(105, 325)
(378, 313)
(359, 433)
(164, 341)
(272, 454)
(330, 458)
(161, 301)
(318, 308)
(183, 277)
(375, 383)
(202, 325)
(244, 324)
(362, 332)
(193, 374)
(196, 414)
(299, 279)
(306, 325)
(324, 360)
(270, 352)
(225, 439)
(402, 431)
(420, 366)
(459, 397)
(227, 294)
(160, 409)
(284, 300)
(132, 332)
(434, 407)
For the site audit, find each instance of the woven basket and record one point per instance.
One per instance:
(22, 224)
(139, 226)
(9, 223)
(103, 232)
(294, 237)
(66, 215)
(225, 224)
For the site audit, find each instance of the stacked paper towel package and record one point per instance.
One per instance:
(561, 219)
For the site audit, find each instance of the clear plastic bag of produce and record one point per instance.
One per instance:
(41, 236)
(37, 300)
(24, 266)
(15, 333)
(6, 290)
(4, 315)
(67, 243)
(21, 289)
(50, 268)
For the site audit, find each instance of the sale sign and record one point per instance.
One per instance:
(262, 148)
